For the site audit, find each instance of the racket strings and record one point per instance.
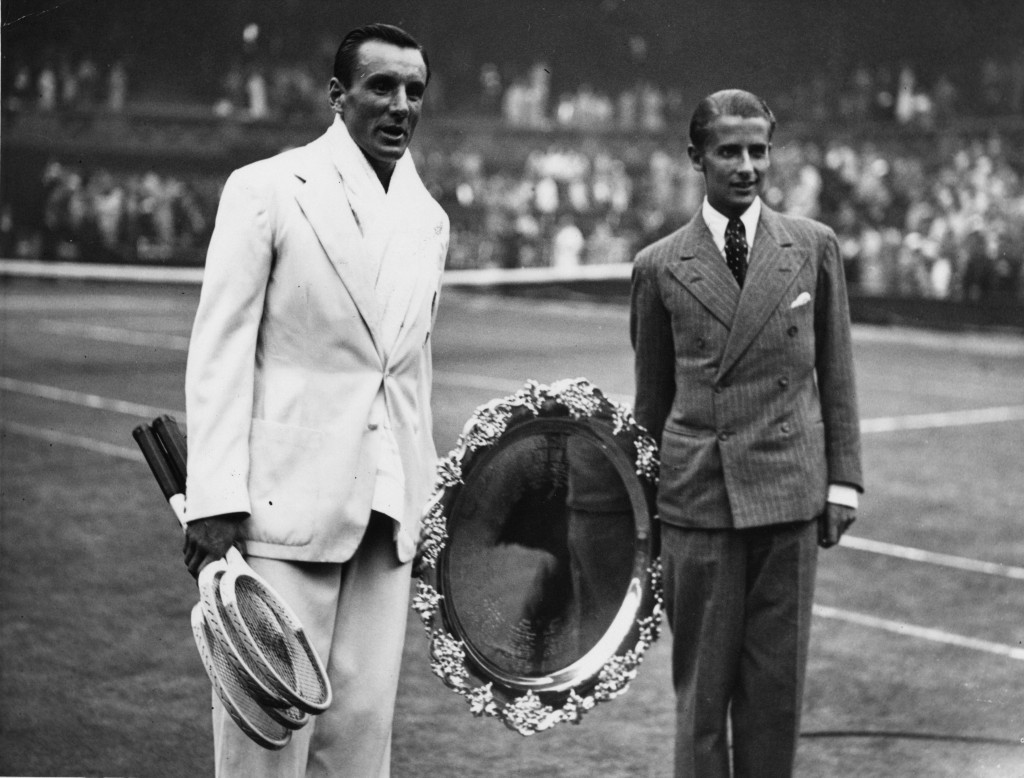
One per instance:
(285, 647)
(278, 708)
(266, 628)
(234, 692)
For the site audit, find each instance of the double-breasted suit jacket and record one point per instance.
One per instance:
(287, 358)
(751, 392)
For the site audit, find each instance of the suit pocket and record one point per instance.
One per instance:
(683, 431)
(286, 482)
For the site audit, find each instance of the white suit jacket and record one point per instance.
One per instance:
(286, 360)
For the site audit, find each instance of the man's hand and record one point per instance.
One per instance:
(207, 540)
(833, 523)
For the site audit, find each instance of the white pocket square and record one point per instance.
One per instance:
(801, 299)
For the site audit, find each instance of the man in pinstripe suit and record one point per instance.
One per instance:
(740, 326)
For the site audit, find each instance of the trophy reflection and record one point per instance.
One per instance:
(540, 573)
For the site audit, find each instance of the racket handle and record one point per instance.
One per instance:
(169, 434)
(156, 458)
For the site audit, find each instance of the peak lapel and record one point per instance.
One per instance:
(324, 202)
(702, 270)
(774, 263)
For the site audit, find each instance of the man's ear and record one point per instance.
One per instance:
(696, 158)
(335, 95)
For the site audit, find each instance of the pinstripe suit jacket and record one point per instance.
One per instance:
(750, 394)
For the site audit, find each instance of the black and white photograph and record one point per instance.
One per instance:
(478, 389)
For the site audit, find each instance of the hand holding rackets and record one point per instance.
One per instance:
(255, 652)
(209, 539)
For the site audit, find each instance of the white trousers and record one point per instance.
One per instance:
(355, 616)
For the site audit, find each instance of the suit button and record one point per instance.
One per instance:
(723, 436)
(701, 343)
(783, 382)
(719, 388)
(785, 428)
(792, 331)
(371, 427)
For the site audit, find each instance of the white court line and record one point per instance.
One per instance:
(883, 424)
(76, 441)
(470, 381)
(32, 268)
(823, 611)
(91, 303)
(867, 426)
(922, 421)
(141, 410)
(115, 335)
(84, 399)
(922, 633)
(932, 557)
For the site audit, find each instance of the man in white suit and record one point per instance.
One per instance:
(308, 396)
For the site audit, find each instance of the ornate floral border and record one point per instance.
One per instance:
(528, 713)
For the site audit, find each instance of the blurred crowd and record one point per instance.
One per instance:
(96, 215)
(940, 219)
(896, 92)
(61, 81)
(886, 92)
(527, 102)
(282, 91)
(258, 87)
(919, 213)
(945, 223)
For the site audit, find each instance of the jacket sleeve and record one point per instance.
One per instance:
(834, 367)
(650, 330)
(220, 373)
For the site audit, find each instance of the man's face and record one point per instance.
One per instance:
(382, 105)
(734, 161)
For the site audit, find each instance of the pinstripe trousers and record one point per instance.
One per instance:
(739, 606)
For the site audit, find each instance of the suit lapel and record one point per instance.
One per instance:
(424, 285)
(323, 200)
(774, 264)
(702, 270)
(410, 242)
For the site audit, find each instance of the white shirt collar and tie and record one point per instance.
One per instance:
(718, 223)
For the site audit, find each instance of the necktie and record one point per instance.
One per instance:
(736, 250)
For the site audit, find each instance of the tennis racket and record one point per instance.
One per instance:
(269, 633)
(263, 631)
(231, 687)
(224, 642)
(255, 644)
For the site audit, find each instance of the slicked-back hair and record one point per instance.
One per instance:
(728, 102)
(348, 52)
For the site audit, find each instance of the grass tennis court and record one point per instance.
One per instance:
(917, 654)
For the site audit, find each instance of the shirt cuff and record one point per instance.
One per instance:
(841, 494)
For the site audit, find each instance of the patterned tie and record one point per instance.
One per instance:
(736, 250)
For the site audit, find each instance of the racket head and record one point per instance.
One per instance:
(272, 639)
(224, 634)
(251, 718)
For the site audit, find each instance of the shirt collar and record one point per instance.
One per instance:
(717, 222)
